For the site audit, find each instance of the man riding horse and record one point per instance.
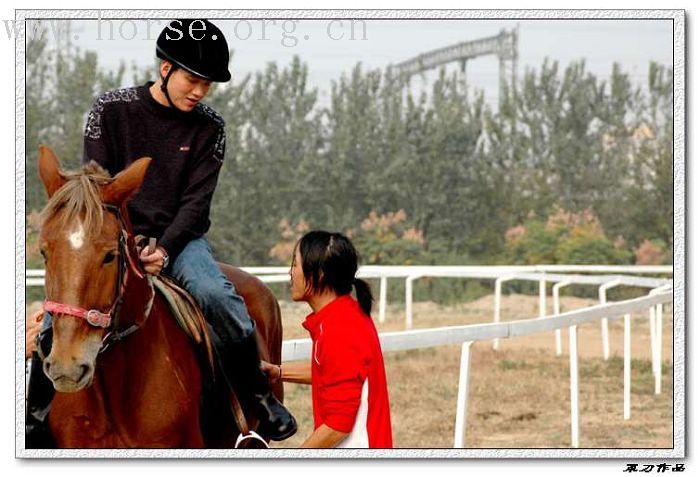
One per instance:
(166, 121)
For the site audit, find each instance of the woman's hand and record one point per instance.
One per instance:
(272, 371)
(33, 327)
(299, 373)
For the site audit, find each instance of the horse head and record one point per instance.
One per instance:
(80, 242)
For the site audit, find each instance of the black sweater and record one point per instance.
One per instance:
(187, 150)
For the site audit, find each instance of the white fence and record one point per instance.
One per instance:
(412, 273)
(413, 339)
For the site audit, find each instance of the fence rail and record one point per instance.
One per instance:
(374, 271)
(298, 349)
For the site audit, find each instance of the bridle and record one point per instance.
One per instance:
(108, 320)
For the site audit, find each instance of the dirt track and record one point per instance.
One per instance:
(519, 395)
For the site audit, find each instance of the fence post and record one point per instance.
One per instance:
(382, 299)
(497, 307)
(409, 300)
(555, 297)
(627, 368)
(462, 398)
(602, 296)
(652, 339)
(543, 297)
(573, 378)
(655, 335)
(497, 304)
(659, 347)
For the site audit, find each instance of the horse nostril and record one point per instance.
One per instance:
(84, 369)
(46, 366)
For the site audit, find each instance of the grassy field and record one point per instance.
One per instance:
(519, 395)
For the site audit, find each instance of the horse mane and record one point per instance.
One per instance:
(79, 198)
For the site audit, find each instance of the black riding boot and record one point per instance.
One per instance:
(242, 371)
(40, 393)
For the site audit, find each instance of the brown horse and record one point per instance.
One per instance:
(142, 391)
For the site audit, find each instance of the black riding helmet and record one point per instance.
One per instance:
(197, 46)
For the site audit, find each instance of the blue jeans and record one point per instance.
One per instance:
(225, 310)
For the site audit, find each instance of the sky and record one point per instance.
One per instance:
(331, 49)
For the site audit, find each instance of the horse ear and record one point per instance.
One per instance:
(126, 182)
(50, 170)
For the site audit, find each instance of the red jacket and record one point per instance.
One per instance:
(348, 382)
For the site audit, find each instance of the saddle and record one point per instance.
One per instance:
(186, 312)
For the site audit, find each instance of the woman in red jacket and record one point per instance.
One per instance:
(346, 370)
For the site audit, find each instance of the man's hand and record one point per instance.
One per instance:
(153, 262)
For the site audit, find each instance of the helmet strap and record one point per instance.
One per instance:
(164, 85)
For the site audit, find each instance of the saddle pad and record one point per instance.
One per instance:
(186, 311)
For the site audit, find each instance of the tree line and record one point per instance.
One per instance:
(567, 167)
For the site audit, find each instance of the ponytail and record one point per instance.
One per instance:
(364, 295)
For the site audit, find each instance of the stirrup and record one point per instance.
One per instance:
(251, 436)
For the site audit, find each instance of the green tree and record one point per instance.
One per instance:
(62, 83)
(648, 203)
(468, 175)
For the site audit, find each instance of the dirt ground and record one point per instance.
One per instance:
(518, 395)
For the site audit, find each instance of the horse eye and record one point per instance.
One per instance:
(109, 258)
(43, 254)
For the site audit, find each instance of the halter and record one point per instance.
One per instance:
(107, 320)
(94, 317)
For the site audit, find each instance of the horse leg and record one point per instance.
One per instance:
(193, 433)
(265, 312)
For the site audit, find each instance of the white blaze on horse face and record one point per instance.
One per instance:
(77, 237)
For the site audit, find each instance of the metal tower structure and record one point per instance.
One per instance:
(504, 46)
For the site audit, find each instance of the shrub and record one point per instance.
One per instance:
(388, 239)
(564, 237)
(652, 252)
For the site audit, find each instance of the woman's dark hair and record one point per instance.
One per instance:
(329, 261)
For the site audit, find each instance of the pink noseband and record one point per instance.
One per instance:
(94, 317)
